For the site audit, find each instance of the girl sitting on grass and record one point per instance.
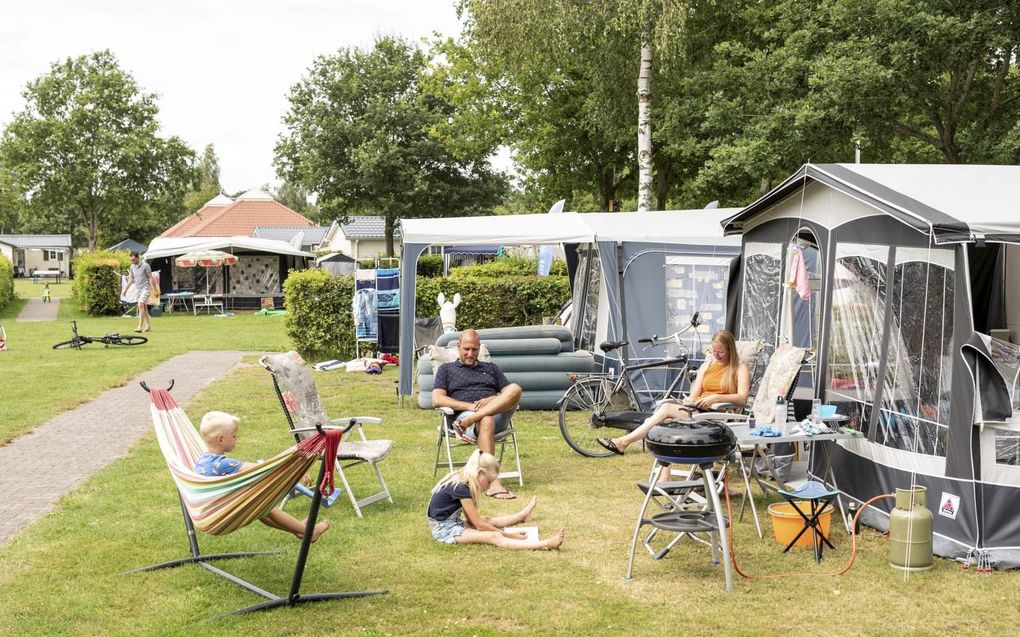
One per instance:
(458, 493)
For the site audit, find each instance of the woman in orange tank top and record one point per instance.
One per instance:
(721, 379)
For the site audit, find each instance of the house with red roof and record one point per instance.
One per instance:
(230, 225)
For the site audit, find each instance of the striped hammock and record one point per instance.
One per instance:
(222, 504)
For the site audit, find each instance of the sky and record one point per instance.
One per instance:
(221, 69)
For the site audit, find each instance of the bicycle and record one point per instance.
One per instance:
(601, 399)
(110, 339)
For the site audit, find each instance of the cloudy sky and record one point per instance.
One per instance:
(221, 68)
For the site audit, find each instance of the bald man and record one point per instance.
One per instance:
(481, 397)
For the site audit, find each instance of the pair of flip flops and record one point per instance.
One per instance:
(610, 445)
(502, 495)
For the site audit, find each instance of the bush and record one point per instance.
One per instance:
(96, 288)
(6, 281)
(507, 266)
(508, 301)
(430, 265)
(320, 318)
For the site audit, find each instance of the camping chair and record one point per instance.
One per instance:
(301, 403)
(222, 504)
(449, 438)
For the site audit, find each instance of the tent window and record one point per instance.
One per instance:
(1006, 358)
(586, 299)
(914, 414)
(858, 310)
(759, 303)
(197, 279)
(695, 284)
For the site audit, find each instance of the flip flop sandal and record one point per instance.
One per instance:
(495, 496)
(610, 445)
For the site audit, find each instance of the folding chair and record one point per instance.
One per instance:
(449, 438)
(222, 504)
(301, 403)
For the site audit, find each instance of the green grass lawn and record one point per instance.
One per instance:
(38, 382)
(62, 575)
(25, 289)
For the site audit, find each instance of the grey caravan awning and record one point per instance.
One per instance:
(956, 203)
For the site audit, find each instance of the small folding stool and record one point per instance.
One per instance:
(820, 497)
(682, 515)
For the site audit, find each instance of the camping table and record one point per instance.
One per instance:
(174, 299)
(760, 445)
(56, 274)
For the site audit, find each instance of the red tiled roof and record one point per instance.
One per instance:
(239, 218)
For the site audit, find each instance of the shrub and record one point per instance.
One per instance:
(320, 318)
(504, 302)
(96, 288)
(430, 265)
(6, 281)
(507, 266)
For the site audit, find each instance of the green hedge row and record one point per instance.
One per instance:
(6, 281)
(96, 288)
(506, 266)
(320, 321)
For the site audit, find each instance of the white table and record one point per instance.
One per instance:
(181, 299)
(759, 446)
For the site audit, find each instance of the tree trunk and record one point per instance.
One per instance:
(663, 177)
(390, 224)
(607, 187)
(644, 141)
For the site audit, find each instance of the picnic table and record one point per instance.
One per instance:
(37, 275)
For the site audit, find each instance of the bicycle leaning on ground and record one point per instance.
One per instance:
(607, 399)
(110, 339)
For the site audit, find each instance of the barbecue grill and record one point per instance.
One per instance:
(691, 442)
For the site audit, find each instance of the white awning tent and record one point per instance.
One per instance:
(697, 230)
(173, 246)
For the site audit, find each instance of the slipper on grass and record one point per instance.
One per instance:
(610, 445)
(502, 495)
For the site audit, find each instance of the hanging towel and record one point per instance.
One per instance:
(796, 273)
(388, 295)
(365, 306)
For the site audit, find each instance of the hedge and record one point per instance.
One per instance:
(507, 266)
(6, 281)
(96, 288)
(320, 321)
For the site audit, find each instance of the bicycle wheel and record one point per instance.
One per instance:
(74, 342)
(581, 413)
(127, 340)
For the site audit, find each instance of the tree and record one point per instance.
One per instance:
(87, 154)
(207, 183)
(360, 137)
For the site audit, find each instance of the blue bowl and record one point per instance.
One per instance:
(827, 411)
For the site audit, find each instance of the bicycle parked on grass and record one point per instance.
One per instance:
(605, 399)
(108, 340)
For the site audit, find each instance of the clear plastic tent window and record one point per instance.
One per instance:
(858, 308)
(759, 314)
(586, 299)
(914, 415)
(1006, 358)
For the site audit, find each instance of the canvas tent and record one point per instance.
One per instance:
(260, 271)
(914, 263)
(652, 253)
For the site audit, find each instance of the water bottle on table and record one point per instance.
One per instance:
(780, 416)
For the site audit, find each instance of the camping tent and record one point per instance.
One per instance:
(337, 264)
(654, 254)
(913, 264)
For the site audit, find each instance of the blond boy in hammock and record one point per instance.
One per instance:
(219, 430)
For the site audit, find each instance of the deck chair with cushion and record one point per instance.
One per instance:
(222, 504)
(304, 410)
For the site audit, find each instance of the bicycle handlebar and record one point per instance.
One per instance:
(658, 340)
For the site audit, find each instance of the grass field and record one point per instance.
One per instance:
(62, 575)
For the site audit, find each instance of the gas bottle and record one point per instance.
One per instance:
(910, 531)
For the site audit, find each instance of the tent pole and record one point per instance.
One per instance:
(623, 302)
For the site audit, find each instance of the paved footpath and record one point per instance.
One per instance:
(39, 467)
(36, 310)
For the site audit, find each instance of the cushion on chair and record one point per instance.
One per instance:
(367, 450)
(783, 367)
(298, 389)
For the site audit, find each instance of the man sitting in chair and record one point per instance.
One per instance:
(481, 397)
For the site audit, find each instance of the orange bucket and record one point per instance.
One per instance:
(787, 523)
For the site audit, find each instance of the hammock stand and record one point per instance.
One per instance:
(294, 596)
